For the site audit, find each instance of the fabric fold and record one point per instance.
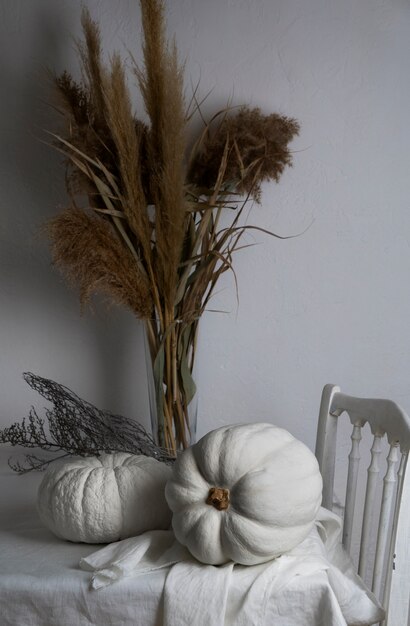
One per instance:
(197, 594)
(134, 556)
(315, 583)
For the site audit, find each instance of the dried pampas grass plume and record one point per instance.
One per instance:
(91, 256)
(161, 85)
(127, 137)
(258, 150)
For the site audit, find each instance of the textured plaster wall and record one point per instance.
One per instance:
(332, 305)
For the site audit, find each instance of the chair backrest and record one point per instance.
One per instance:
(391, 565)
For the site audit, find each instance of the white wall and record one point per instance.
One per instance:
(332, 305)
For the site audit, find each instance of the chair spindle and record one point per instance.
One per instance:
(389, 483)
(373, 472)
(354, 462)
(392, 556)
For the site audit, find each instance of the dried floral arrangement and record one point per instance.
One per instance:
(74, 427)
(144, 223)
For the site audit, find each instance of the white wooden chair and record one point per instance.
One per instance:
(391, 566)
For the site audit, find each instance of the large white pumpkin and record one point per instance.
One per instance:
(106, 498)
(245, 493)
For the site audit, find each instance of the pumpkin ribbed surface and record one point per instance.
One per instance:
(104, 499)
(245, 493)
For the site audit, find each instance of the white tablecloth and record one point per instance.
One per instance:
(41, 583)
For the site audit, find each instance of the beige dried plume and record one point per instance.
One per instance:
(94, 259)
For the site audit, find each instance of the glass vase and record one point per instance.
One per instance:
(171, 362)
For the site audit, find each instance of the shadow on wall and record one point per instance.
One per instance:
(37, 36)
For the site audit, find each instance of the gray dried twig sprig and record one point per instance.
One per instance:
(75, 428)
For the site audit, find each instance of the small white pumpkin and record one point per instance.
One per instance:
(106, 498)
(245, 493)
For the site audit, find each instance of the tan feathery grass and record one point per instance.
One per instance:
(94, 259)
(258, 150)
(127, 137)
(161, 84)
(92, 68)
(154, 243)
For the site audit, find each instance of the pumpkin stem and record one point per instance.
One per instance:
(219, 498)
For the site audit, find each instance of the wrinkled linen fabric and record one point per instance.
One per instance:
(313, 584)
(41, 583)
(137, 555)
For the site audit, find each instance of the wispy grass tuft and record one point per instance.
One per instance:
(94, 259)
(258, 150)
